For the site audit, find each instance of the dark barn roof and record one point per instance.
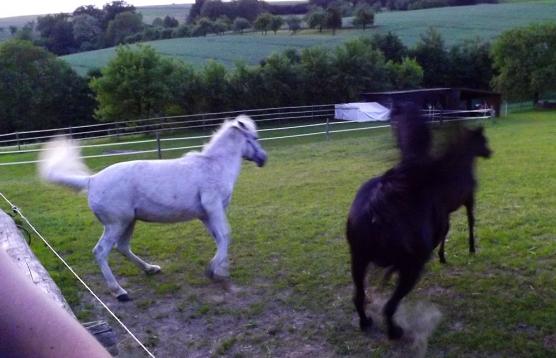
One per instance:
(446, 98)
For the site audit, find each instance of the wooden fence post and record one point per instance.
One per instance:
(159, 150)
(17, 248)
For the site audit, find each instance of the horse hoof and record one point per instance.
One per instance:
(228, 286)
(395, 332)
(152, 270)
(124, 297)
(366, 324)
(209, 273)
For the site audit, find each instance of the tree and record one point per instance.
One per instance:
(391, 46)
(86, 32)
(13, 29)
(358, 67)
(124, 24)
(470, 64)
(525, 59)
(183, 30)
(213, 9)
(136, 83)
(281, 80)
(57, 33)
(262, 22)
(38, 91)
(276, 23)
(111, 10)
(170, 22)
(431, 54)
(405, 75)
(158, 22)
(316, 18)
(221, 25)
(195, 11)
(294, 23)
(240, 24)
(317, 72)
(203, 27)
(214, 90)
(364, 16)
(89, 10)
(333, 19)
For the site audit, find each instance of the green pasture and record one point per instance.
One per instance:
(177, 11)
(454, 23)
(290, 257)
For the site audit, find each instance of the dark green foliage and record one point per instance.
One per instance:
(525, 59)
(470, 65)
(135, 84)
(333, 18)
(294, 23)
(203, 27)
(276, 23)
(391, 46)
(170, 22)
(432, 55)
(364, 16)
(57, 33)
(316, 18)
(240, 24)
(124, 24)
(39, 91)
(262, 22)
(358, 67)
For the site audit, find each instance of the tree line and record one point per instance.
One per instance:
(38, 90)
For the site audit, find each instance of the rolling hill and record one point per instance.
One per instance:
(454, 23)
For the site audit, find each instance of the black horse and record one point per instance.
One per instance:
(397, 219)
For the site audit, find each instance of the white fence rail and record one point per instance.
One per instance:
(322, 115)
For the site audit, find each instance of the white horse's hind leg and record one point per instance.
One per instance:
(123, 246)
(110, 236)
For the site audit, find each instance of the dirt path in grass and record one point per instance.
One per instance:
(205, 321)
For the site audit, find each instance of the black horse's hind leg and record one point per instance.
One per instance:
(441, 255)
(358, 272)
(408, 277)
(469, 205)
(443, 235)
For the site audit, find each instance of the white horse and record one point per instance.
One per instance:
(197, 185)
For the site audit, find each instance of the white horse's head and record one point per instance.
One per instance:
(252, 150)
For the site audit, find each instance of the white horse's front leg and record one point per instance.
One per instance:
(217, 224)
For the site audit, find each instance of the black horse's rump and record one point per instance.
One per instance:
(397, 219)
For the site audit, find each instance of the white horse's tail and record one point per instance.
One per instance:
(60, 163)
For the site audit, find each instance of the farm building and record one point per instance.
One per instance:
(439, 98)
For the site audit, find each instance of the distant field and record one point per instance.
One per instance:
(178, 11)
(6, 22)
(455, 24)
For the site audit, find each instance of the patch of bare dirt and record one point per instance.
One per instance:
(203, 321)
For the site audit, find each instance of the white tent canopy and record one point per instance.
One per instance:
(361, 112)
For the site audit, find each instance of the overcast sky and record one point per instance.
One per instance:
(9, 8)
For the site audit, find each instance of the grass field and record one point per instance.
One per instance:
(454, 23)
(290, 258)
(178, 11)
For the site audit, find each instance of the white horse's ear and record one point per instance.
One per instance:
(242, 125)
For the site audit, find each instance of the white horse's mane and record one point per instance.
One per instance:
(242, 122)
